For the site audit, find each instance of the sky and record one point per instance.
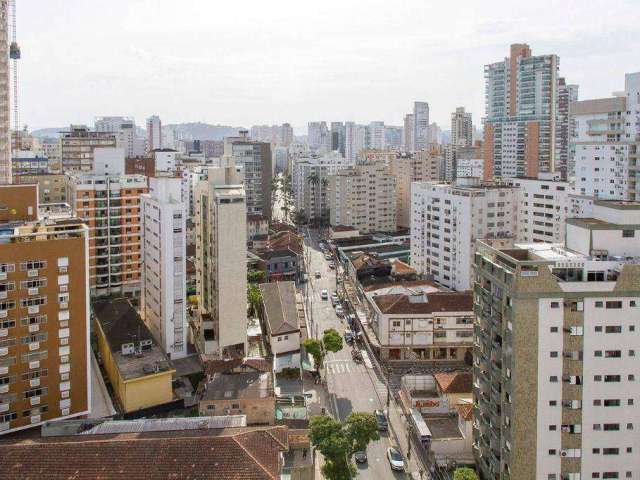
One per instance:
(269, 62)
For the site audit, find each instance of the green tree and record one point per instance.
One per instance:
(314, 348)
(465, 473)
(254, 298)
(255, 276)
(332, 340)
(338, 441)
(300, 218)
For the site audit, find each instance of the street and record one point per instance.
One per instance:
(351, 386)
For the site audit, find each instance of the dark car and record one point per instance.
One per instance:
(348, 336)
(360, 456)
(381, 418)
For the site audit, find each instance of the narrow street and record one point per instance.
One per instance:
(351, 386)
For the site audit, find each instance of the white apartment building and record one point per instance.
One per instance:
(420, 125)
(420, 166)
(310, 180)
(318, 136)
(543, 207)
(163, 280)
(124, 129)
(221, 264)
(154, 133)
(421, 322)
(446, 221)
(469, 167)
(555, 363)
(607, 144)
(355, 140)
(461, 128)
(363, 197)
(376, 136)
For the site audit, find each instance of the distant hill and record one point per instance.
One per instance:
(203, 131)
(48, 132)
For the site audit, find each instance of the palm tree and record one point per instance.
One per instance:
(314, 181)
(323, 203)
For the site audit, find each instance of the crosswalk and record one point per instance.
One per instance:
(337, 367)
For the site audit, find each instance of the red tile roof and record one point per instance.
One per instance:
(465, 410)
(228, 454)
(454, 382)
(401, 304)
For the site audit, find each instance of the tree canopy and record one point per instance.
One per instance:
(339, 441)
(332, 340)
(464, 473)
(314, 348)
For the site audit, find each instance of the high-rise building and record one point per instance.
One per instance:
(543, 207)
(355, 140)
(163, 295)
(520, 131)
(338, 137)
(110, 206)
(5, 122)
(286, 135)
(447, 220)
(420, 125)
(310, 180)
(318, 136)
(461, 128)
(154, 133)
(393, 137)
(255, 160)
(44, 314)
(607, 144)
(376, 136)
(363, 197)
(555, 357)
(77, 147)
(435, 133)
(221, 264)
(567, 94)
(421, 166)
(407, 133)
(124, 129)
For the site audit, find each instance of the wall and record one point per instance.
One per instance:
(259, 411)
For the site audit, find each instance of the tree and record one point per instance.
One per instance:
(362, 429)
(332, 340)
(254, 298)
(314, 348)
(339, 441)
(255, 276)
(465, 473)
(300, 218)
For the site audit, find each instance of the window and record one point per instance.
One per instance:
(610, 451)
(595, 451)
(612, 354)
(614, 304)
(613, 329)
(628, 233)
(553, 354)
(598, 304)
(552, 428)
(553, 379)
(611, 427)
(553, 329)
(555, 304)
(612, 378)
(612, 402)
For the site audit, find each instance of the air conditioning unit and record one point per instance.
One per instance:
(32, 291)
(32, 273)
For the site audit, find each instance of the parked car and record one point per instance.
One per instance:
(351, 319)
(318, 274)
(339, 311)
(348, 336)
(324, 295)
(381, 418)
(327, 256)
(396, 462)
(334, 299)
(360, 457)
(332, 265)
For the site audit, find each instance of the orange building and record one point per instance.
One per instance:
(110, 206)
(44, 311)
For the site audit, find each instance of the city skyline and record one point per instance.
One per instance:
(301, 65)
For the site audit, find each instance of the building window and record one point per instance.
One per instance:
(614, 304)
(628, 233)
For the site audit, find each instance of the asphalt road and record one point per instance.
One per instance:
(352, 387)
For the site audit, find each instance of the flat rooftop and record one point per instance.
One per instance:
(443, 427)
(231, 386)
(122, 325)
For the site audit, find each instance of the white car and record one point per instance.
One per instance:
(339, 311)
(396, 462)
(324, 295)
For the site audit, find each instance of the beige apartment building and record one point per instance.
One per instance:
(78, 144)
(555, 357)
(363, 197)
(110, 206)
(423, 166)
(44, 312)
(52, 188)
(221, 264)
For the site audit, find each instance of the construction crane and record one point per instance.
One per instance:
(14, 55)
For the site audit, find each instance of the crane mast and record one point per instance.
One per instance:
(14, 55)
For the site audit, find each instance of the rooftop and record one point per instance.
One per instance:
(280, 310)
(424, 303)
(225, 453)
(454, 382)
(231, 386)
(443, 427)
(598, 105)
(129, 339)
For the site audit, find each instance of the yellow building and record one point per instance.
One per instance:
(138, 370)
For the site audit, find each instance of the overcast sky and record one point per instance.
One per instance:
(254, 62)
